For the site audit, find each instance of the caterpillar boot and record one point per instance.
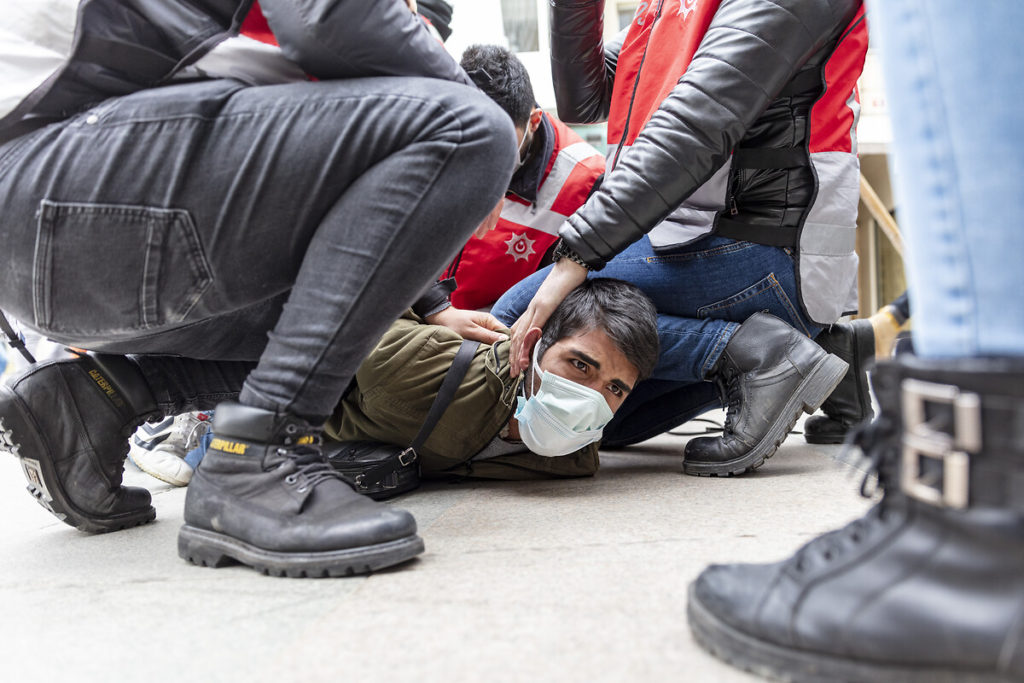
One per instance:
(265, 496)
(767, 375)
(69, 422)
(929, 585)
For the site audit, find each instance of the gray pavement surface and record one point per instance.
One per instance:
(581, 580)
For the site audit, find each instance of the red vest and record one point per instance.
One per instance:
(488, 267)
(657, 52)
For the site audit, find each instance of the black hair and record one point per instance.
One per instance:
(503, 78)
(617, 308)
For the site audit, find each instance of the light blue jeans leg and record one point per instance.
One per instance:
(954, 76)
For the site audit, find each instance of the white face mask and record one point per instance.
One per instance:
(524, 148)
(560, 417)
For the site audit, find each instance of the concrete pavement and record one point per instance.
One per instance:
(581, 580)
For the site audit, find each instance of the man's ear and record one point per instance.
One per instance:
(531, 339)
(535, 117)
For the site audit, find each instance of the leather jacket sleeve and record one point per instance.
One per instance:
(742, 64)
(582, 65)
(333, 39)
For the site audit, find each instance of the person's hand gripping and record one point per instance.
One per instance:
(564, 277)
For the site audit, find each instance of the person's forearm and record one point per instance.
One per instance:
(743, 62)
(352, 38)
(579, 65)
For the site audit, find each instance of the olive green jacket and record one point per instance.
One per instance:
(396, 385)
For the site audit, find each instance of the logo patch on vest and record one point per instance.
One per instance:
(520, 247)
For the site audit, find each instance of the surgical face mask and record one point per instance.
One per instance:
(524, 150)
(561, 416)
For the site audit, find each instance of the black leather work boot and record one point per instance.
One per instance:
(850, 402)
(265, 496)
(767, 375)
(69, 422)
(929, 585)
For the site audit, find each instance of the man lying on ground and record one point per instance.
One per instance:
(597, 345)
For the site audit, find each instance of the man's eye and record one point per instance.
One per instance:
(579, 365)
(615, 389)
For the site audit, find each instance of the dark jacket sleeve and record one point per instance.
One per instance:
(350, 38)
(742, 64)
(582, 64)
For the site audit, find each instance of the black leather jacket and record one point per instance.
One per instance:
(122, 46)
(750, 84)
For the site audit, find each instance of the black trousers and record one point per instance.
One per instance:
(281, 226)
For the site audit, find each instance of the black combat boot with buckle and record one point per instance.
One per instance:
(69, 422)
(768, 374)
(929, 585)
(265, 496)
(849, 403)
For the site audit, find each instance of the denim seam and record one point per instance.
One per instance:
(289, 407)
(750, 292)
(307, 106)
(784, 298)
(705, 253)
(716, 352)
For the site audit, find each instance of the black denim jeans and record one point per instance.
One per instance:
(287, 224)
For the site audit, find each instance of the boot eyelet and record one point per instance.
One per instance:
(291, 429)
(282, 451)
(302, 489)
(291, 479)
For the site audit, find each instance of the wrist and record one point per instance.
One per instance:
(563, 252)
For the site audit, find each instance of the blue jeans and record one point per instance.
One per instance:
(955, 83)
(282, 227)
(702, 292)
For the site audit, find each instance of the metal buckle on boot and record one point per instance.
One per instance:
(407, 457)
(920, 439)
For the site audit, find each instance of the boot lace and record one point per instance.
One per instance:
(729, 389)
(876, 442)
(310, 464)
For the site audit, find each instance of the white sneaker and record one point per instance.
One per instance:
(159, 448)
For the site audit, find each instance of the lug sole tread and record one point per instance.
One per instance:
(206, 548)
(808, 397)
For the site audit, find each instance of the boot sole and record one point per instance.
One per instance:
(211, 549)
(809, 395)
(769, 660)
(22, 438)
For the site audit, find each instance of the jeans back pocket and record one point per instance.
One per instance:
(104, 269)
(766, 295)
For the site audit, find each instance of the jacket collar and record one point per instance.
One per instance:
(526, 182)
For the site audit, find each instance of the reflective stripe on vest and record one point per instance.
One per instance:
(514, 248)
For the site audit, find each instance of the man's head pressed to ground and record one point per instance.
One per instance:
(602, 339)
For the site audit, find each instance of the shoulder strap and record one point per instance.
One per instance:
(13, 339)
(452, 379)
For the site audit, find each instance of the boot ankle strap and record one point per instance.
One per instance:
(979, 462)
